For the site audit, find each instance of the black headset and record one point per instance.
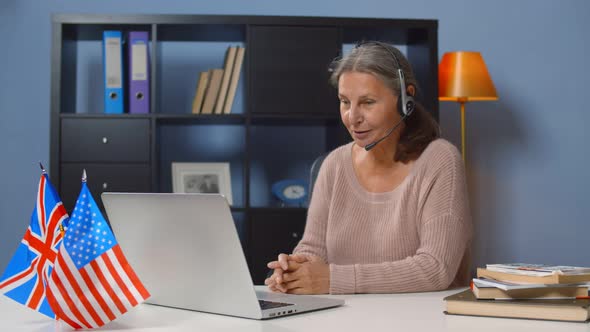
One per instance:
(405, 103)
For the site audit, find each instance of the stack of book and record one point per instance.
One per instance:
(532, 291)
(216, 88)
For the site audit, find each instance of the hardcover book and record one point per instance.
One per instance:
(534, 277)
(233, 83)
(215, 76)
(537, 269)
(465, 303)
(200, 92)
(225, 80)
(500, 290)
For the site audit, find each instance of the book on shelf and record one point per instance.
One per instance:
(215, 76)
(501, 290)
(538, 269)
(200, 91)
(227, 71)
(465, 303)
(533, 277)
(234, 78)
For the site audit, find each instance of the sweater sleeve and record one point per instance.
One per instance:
(444, 227)
(314, 236)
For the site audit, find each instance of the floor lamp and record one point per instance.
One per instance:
(463, 77)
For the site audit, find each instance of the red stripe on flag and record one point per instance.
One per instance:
(118, 279)
(38, 292)
(35, 244)
(97, 295)
(59, 313)
(70, 303)
(58, 237)
(104, 282)
(130, 273)
(20, 275)
(79, 293)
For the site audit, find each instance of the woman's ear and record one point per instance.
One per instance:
(411, 90)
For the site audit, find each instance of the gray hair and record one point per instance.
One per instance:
(375, 58)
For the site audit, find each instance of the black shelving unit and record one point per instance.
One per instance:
(285, 116)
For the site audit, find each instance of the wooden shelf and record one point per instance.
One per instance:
(104, 116)
(285, 112)
(200, 118)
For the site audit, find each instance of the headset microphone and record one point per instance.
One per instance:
(405, 102)
(372, 145)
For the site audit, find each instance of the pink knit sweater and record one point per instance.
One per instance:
(414, 238)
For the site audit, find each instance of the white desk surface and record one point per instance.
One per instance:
(383, 312)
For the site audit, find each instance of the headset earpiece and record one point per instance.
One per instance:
(405, 102)
(410, 105)
(400, 107)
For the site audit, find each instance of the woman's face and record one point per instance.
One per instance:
(367, 107)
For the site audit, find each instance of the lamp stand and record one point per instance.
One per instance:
(462, 103)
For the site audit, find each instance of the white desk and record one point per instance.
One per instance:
(390, 312)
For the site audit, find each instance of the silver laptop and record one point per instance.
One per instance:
(186, 251)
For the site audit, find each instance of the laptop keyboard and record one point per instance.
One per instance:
(271, 305)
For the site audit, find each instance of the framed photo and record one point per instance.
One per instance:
(202, 178)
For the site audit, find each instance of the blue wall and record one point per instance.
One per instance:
(527, 153)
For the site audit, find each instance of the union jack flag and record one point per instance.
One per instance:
(92, 282)
(25, 277)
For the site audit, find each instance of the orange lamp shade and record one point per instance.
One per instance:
(463, 76)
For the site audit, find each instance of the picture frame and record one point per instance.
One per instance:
(188, 177)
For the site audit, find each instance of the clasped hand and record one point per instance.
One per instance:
(299, 274)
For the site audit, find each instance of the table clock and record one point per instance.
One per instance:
(290, 191)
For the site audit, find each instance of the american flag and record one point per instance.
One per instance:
(92, 283)
(25, 278)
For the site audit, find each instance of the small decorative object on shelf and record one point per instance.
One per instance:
(290, 192)
(210, 178)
